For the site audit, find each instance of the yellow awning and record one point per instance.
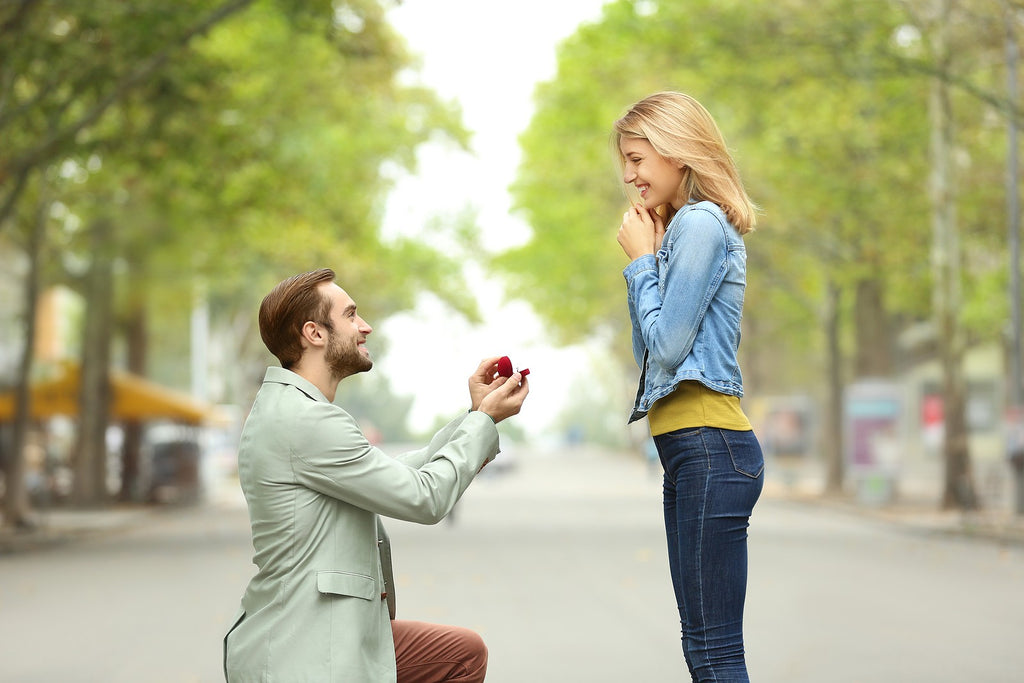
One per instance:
(134, 398)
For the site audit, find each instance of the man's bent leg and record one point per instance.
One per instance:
(432, 653)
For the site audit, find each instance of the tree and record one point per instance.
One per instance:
(61, 74)
(826, 108)
(813, 106)
(249, 155)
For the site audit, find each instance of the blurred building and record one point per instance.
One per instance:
(893, 431)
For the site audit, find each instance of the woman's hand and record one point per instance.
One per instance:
(641, 231)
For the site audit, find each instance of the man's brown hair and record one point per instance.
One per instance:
(289, 306)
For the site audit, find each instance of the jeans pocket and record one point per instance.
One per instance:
(746, 454)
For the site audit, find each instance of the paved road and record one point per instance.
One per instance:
(561, 566)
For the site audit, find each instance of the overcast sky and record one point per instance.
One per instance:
(488, 57)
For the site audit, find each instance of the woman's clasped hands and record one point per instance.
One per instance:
(641, 231)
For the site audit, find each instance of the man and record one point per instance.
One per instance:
(320, 607)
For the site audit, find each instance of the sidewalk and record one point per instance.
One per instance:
(918, 511)
(56, 526)
(926, 517)
(915, 507)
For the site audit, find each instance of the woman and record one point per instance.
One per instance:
(685, 285)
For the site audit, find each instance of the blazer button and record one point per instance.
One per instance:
(383, 596)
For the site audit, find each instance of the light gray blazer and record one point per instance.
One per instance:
(316, 610)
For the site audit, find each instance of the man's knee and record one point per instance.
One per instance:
(432, 652)
(474, 658)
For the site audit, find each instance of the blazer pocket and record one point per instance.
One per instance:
(346, 583)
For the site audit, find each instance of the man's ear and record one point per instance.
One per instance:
(312, 335)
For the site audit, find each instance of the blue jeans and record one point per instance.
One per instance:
(713, 477)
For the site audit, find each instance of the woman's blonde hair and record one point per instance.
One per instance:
(681, 129)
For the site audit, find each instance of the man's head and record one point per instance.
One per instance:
(308, 313)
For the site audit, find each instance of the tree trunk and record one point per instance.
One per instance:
(833, 423)
(137, 342)
(958, 485)
(1013, 382)
(90, 463)
(871, 324)
(16, 504)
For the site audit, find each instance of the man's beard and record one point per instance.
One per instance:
(344, 361)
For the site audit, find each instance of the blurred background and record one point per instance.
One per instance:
(162, 167)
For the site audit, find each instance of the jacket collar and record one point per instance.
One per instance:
(281, 376)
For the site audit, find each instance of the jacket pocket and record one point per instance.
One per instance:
(335, 582)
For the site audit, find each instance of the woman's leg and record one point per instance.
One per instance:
(713, 477)
(669, 458)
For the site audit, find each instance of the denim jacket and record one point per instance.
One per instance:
(685, 304)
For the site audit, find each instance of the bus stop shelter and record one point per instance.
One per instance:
(173, 465)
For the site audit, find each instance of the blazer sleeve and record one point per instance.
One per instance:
(422, 456)
(331, 455)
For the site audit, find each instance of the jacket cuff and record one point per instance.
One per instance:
(642, 263)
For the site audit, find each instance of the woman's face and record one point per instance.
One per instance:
(656, 178)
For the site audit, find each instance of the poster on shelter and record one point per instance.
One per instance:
(873, 414)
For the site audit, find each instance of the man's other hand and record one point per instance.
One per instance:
(507, 399)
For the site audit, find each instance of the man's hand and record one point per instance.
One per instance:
(507, 399)
(484, 381)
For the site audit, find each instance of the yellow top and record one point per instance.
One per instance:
(692, 404)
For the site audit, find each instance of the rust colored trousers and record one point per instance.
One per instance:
(433, 653)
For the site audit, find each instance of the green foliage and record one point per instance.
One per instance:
(824, 105)
(307, 124)
(252, 149)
